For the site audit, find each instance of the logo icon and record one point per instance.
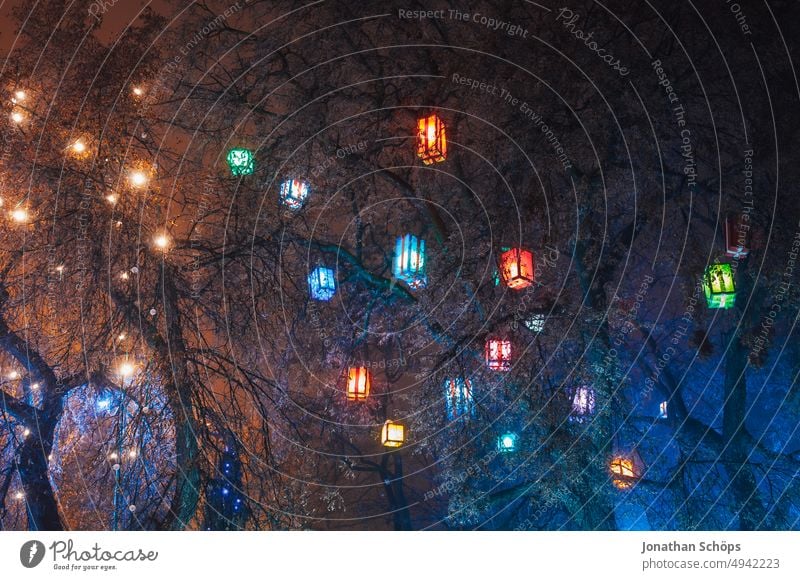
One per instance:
(32, 553)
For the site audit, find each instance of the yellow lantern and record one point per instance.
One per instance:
(393, 434)
(623, 472)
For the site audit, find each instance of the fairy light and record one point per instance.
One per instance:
(124, 276)
(132, 454)
(19, 96)
(13, 376)
(137, 91)
(17, 117)
(35, 386)
(78, 147)
(19, 495)
(26, 432)
(112, 198)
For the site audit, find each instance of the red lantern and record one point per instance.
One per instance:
(516, 268)
(359, 380)
(431, 140)
(736, 237)
(498, 354)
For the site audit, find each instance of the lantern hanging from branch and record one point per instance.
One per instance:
(517, 268)
(736, 229)
(322, 283)
(623, 472)
(663, 410)
(431, 139)
(409, 261)
(458, 396)
(359, 381)
(393, 434)
(498, 354)
(294, 193)
(535, 322)
(241, 161)
(583, 401)
(719, 286)
(507, 443)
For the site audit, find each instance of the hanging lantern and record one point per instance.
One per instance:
(535, 322)
(359, 380)
(431, 140)
(458, 396)
(409, 261)
(517, 268)
(719, 286)
(322, 283)
(294, 193)
(498, 354)
(623, 472)
(507, 443)
(582, 404)
(393, 434)
(241, 161)
(736, 237)
(662, 410)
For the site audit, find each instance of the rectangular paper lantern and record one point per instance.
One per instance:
(507, 443)
(719, 286)
(393, 434)
(458, 396)
(736, 237)
(517, 268)
(582, 404)
(294, 193)
(409, 261)
(322, 283)
(359, 381)
(241, 161)
(431, 140)
(498, 354)
(623, 472)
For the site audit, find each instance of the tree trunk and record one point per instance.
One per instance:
(33, 465)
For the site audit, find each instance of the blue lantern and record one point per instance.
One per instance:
(409, 261)
(322, 283)
(458, 396)
(294, 193)
(507, 443)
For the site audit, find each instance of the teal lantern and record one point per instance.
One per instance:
(241, 162)
(507, 443)
(409, 261)
(322, 283)
(294, 193)
(719, 286)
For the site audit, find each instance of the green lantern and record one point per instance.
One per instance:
(719, 286)
(241, 162)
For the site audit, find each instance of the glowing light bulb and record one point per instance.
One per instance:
(17, 117)
(138, 178)
(121, 336)
(126, 369)
(26, 432)
(20, 95)
(161, 241)
(138, 91)
(13, 376)
(78, 147)
(113, 455)
(124, 275)
(60, 269)
(112, 198)
(132, 454)
(19, 215)
(35, 386)
(19, 495)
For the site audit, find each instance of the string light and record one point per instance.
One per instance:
(132, 454)
(19, 495)
(19, 96)
(35, 386)
(112, 198)
(13, 376)
(124, 275)
(26, 432)
(137, 91)
(17, 117)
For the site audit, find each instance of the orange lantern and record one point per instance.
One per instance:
(393, 434)
(516, 268)
(431, 140)
(623, 472)
(359, 380)
(498, 354)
